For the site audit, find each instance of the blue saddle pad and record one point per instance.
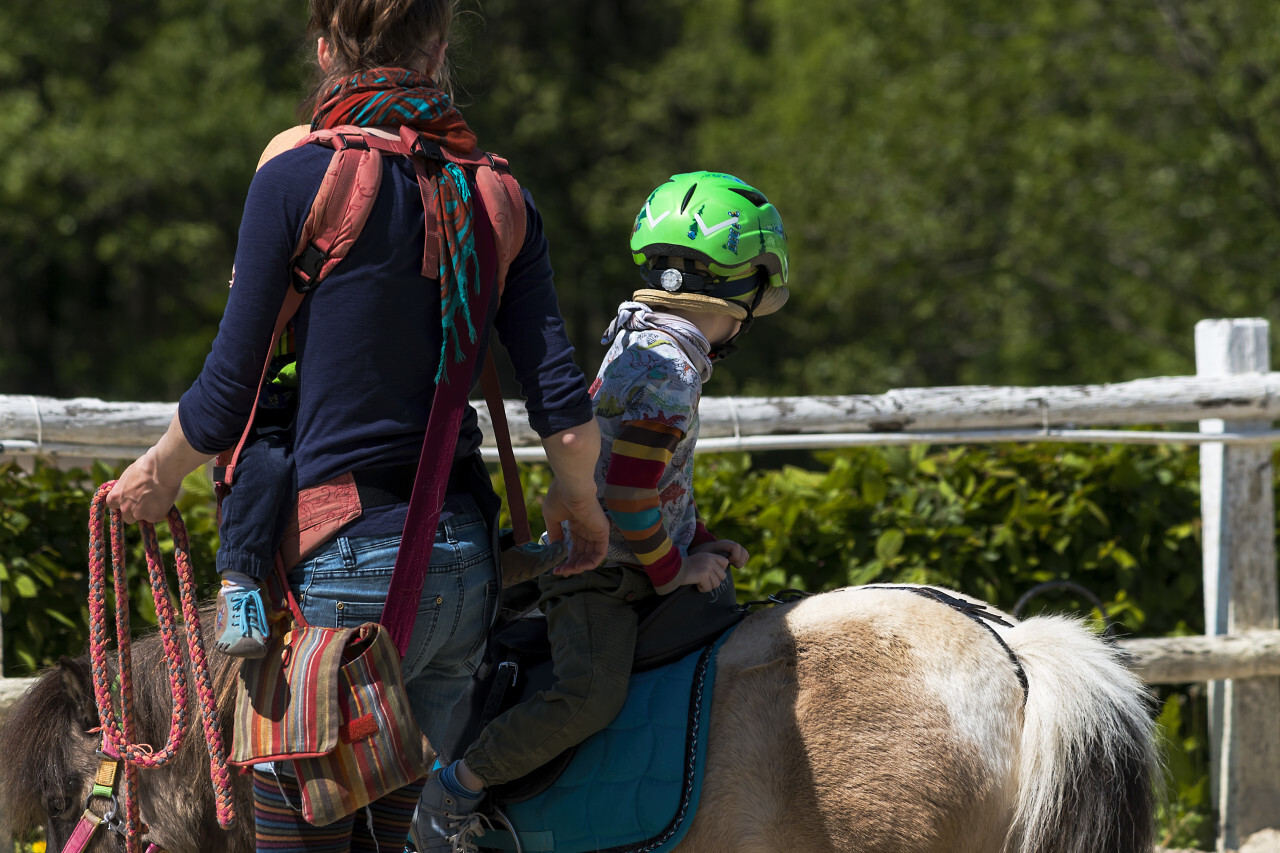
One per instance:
(632, 788)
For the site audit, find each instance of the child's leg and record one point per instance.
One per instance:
(592, 627)
(253, 521)
(593, 634)
(256, 510)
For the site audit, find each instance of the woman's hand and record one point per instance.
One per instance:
(139, 494)
(588, 526)
(571, 497)
(148, 488)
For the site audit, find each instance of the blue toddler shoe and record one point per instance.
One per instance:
(241, 625)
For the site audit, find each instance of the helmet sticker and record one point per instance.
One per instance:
(735, 230)
(653, 221)
(717, 228)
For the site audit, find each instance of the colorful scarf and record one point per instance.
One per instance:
(636, 316)
(395, 97)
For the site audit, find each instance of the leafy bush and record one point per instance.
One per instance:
(44, 565)
(994, 522)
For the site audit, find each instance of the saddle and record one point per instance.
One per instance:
(518, 664)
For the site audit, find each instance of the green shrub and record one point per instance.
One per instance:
(44, 560)
(994, 522)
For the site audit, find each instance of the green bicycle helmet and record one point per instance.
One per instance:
(710, 241)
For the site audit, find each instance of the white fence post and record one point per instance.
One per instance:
(1238, 508)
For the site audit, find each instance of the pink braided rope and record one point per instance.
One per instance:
(189, 595)
(118, 732)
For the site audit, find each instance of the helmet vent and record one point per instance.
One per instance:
(685, 204)
(753, 196)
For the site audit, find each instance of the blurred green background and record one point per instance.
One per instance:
(1040, 192)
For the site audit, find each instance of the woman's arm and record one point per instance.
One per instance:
(571, 497)
(148, 488)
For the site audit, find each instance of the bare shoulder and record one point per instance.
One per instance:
(283, 141)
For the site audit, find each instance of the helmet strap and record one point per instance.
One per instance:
(721, 351)
(673, 279)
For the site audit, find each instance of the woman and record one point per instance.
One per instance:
(370, 341)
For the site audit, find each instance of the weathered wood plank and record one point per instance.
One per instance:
(1238, 510)
(1174, 399)
(1177, 660)
(1167, 400)
(11, 690)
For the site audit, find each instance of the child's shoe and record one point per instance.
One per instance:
(444, 821)
(241, 625)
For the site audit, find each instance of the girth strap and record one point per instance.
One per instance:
(979, 614)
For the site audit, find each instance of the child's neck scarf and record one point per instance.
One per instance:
(395, 97)
(636, 316)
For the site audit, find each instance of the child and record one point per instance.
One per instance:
(253, 518)
(713, 254)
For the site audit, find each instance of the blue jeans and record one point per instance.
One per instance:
(345, 584)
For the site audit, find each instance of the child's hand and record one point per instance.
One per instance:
(737, 555)
(704, 570)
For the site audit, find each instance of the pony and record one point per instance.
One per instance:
(875, 719)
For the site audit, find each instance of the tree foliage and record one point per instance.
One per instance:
(976, 192)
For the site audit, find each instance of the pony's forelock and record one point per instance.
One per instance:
(41, 745)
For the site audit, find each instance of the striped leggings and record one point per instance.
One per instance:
(380, 828)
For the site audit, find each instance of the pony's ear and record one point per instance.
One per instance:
(77, 683)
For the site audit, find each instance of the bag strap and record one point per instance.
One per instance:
(502, 438)
(413, 559)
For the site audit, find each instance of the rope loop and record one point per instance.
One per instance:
(119, 736)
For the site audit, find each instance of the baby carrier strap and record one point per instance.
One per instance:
(498, 189)
(341, 208)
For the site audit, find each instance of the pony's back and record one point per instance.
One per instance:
(876, 720)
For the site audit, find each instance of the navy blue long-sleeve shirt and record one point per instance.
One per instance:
(369, 337)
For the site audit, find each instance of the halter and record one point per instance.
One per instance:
(104, 787)
(118, 743)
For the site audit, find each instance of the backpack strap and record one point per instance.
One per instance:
(499, 189)
(337, 216)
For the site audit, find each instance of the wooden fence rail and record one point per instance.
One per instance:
(88, 427)
(1234, 398)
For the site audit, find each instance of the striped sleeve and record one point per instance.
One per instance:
(701, 535)
(640, 454)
